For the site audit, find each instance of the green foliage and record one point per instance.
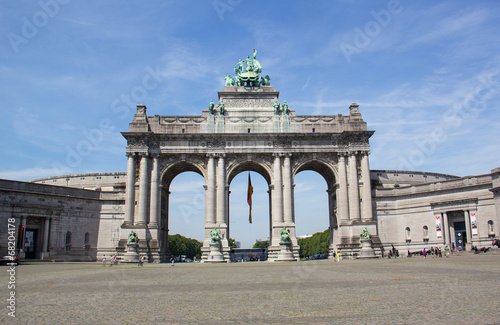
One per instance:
(261, 244)
(232, 244)
(180, 245)
(316, 244)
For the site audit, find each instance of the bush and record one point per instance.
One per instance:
(316, 244)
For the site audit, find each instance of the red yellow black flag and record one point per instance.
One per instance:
(249, 197)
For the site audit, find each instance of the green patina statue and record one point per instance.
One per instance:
(229, 80)
(365, 234)
(265, 81)
(222, 107)
(238, 69)
(285, 235)
(276, 106)
(249, 75)
(285, 107)
(211, 107)
(215, 236)
(132, 238)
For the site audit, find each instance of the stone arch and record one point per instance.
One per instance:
(243, 165)
(329, 174)
(249, 165)
(320, 166)
(169, 172)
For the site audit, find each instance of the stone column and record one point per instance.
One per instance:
(287, 191)
(343, 208)
(277, 192)
(353, 188)
(468, 229)
(155, 193)
(45, 251)
(210, 203)
(130, 191)
(367, 214)
(22, 253)
(271, 217)
(221, 191)
(446, 227)
(143, 192)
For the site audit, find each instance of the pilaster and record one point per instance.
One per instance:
(353, 189)
(143, 192)
(130, 190)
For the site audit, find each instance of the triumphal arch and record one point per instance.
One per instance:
(248, 129)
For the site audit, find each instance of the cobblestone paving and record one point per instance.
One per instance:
(457, 290)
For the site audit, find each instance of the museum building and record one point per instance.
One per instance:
(82, 217)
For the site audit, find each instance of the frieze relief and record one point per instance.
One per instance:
(137, 142)
(250, 102)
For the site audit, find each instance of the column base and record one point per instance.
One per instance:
(132, 254)
(215, 255)
(285, 254)
(367, 250)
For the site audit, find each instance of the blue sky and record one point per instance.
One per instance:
(425, 74)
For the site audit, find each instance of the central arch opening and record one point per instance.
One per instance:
(315, 209)
(182, 213)
(240, 228)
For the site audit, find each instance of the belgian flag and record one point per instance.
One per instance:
(249, 197)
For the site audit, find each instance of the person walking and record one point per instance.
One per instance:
(104, 260)
(424, 253)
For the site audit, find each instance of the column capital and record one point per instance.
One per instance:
(143, 154)
(211, 155)
(342, 154)
(278, 154)
(130, 154)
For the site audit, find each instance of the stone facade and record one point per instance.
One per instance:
(82, 217)
(248, 132)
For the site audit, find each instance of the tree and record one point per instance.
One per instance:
(316, 244)
(232, 243)
(180, 245)
(261, 244)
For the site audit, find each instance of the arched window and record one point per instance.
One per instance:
(491, 230)
(425, 231)
(86, 241)
(67, 240)
(408, 234)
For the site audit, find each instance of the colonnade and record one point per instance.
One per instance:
(354, 206)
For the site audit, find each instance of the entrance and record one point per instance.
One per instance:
(460, 235)
(30, 241)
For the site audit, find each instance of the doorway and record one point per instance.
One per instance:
(460, 235)
(30, 241)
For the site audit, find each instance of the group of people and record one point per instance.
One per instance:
(113, 260)
(435, 252)
(336, 256)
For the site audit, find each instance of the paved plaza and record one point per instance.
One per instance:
(457, 290)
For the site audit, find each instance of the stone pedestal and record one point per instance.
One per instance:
(215, 255)
(285, 254)
(132, 254)
(366, 249)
